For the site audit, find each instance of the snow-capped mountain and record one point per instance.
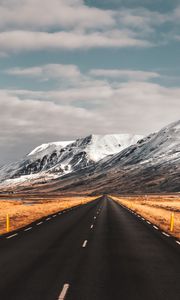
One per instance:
(57, 159)
(149, 166)
(161, 147)
(103, 164)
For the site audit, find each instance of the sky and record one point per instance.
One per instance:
(69, 68)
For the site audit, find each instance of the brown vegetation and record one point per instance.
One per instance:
(23, 210)
(157, 209)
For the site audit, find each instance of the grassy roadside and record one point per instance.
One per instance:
(157, 209)
(23, 212)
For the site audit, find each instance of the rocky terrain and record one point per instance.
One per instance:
(151, 165)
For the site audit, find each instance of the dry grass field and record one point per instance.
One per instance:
(24, 210)
(157, 209)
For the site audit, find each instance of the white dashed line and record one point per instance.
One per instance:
(178, 242)
(155, 227)
(92, 226)
(148, 222)
(48, 219)
(39, 223)
(54, 216)
(94, 217)
(84, 244)
(165, 234)
(11, 236)
(27, 229)
(64, 292)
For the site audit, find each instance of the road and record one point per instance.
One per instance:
(98, 251)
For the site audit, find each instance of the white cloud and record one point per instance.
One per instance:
(49, 71)
(42, 14)
(142, 19)
(70, 14)
(71, 74)
(124, 74)
(27, 40)
(71, 24)
(29, 118)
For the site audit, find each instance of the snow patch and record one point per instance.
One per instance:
(49, 145)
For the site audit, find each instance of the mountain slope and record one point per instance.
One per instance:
(57, 159)
(152, 165)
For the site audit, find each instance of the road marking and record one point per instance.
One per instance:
(165, 234)
(148, 222)
(92, 226)
(155, 227)
(178, 242)
(84, 244)
(59, 213)
(142, 219)
(39, 223)
(64, 292)
(48, 219)
(11, 236)
(94, 217)
(54, 216)
(27, 229)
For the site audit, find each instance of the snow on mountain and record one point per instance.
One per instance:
(159, 147)
(104, 164)
(49, 147)
(61, 158)
(102, 146)
(152, 165)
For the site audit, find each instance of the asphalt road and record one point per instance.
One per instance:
(98, 251)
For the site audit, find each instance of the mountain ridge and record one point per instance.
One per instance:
(152, 165)
(53, 158)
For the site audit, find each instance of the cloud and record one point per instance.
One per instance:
(71, 24)
(142, 19)
(26, 123)
(70, 14)
(49, 71)
(71, 74)
(176, 14)
(29, 118)
(176, 37)
(27, 25)
(43, 14)
(124, 74)
(26, 40)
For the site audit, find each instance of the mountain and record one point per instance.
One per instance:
(54, 160)
(152, 165)
(104, 164)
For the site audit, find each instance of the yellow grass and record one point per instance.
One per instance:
(23, 212)
(157, 209)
